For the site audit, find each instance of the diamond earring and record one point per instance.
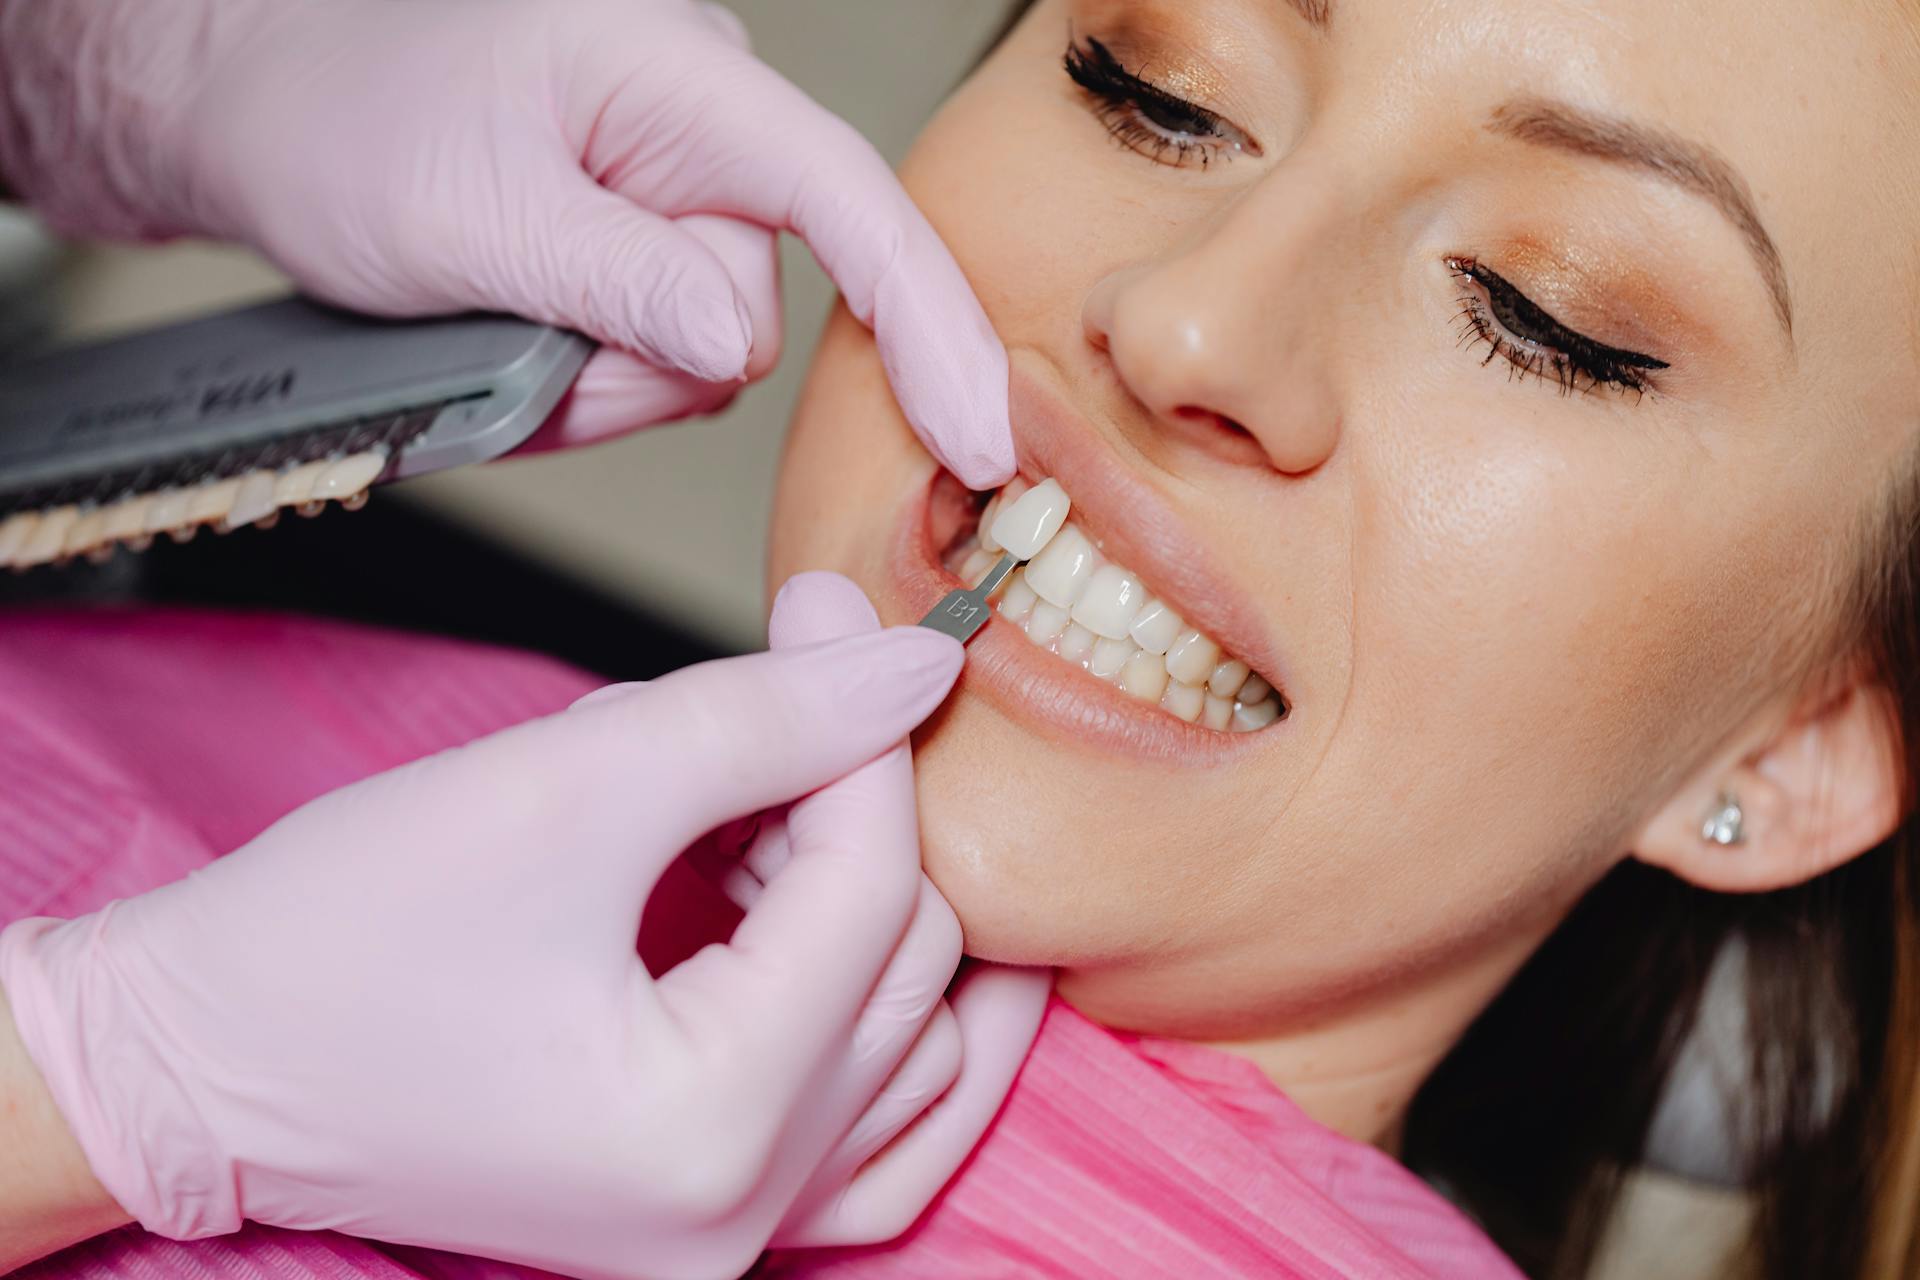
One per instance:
(1725, 824)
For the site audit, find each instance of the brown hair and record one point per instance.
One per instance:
(1533, 1120)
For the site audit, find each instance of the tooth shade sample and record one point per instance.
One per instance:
(296, 486)
(1076, 643)
(167, 510)
(127, 518)
(1191, 658)
(1030, 521)
(1017, 601)
(254, 501)
(48, 538)
(350, 475)
(211, 502)
(1156, 627)
(1108, 606)
(1254, 690)
(1045, 622)
(985, 531)
(1063, 568)
(14, 534)
(1217, 713)
(88, 532)
(1227, 678)
(1184, 700)
(1110, 657)
(1144, 676)
(1258, 716)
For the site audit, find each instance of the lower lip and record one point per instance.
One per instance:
(1028, 684)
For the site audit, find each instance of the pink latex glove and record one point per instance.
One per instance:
(412, 1009)
(619, 167)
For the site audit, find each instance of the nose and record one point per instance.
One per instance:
(1221, 330)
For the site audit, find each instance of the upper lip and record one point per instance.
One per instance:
(1135, 525)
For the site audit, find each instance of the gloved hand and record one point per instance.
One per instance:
(615, 166)
(412, 1009)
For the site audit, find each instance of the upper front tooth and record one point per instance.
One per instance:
(1156, 627)
(1062, 569)
(1191, 658)
(1108, 605)
(1027, 523)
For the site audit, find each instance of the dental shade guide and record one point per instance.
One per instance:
(232, 419)
(962, 613)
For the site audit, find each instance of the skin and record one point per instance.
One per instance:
(1526, 633)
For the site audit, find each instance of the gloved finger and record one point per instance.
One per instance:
(998, 1010)
(726, 738)
(633, 280)
(803, 169)
(618, 393)
(928, 1070)
(728, 24)
(606, 692)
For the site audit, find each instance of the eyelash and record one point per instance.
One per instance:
(1146, 118)
(1170, 130)
(1534, 344)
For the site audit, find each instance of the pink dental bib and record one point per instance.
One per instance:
(140, 746)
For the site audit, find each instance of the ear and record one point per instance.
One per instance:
(1816, 787)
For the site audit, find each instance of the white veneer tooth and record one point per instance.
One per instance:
(1191, 657)
(347, 477)
(1144, 676)
(1156, 627)
(295, 488)
(1184, 700)
(984, 530)
(168, 510)
(1110, 602)
(1045, 622)
(1076, 643)
(1062, 569)
(254, 501)
(975, 566)
(14, 534)
(211, 501)
(86, 533)
(1227, 678)
(48, 537)
(1217, 713)
(1110, 656)
(1253, 690)
(1017, 599)
(1030, 521)
(1258, 716)
(127, 518)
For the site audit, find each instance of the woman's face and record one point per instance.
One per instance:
(1501, 380)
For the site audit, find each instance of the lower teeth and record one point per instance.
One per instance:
(1227, 697)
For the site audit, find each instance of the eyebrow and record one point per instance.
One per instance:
(1688, 165)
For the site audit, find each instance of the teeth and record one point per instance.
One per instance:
(1076, 643)
(1108, 605)
(1063, 568)
(1228, 678)
(212, 501)
(86, 533)
(1071, 600)
(1156, 627)
(295, 488)
(1031, 520)
(1191, 658)
(343, 480)
(168, 510)
(1184, 700)
(1018, 599)
(1046, 622)
(1110, 657)
(127, 518)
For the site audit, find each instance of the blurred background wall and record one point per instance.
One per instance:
(671, 520)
